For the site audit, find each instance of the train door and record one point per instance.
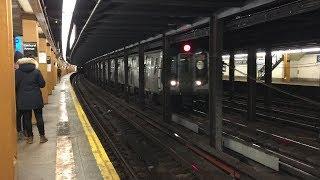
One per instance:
(135, 71)
(121, 71)
(158, 69)
(112, 69)
(130, 81)
(185, 73)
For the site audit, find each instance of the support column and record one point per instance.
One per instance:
(126, 75)
(52, 71)
(109, 71)
(104, 74)
(49, 70)
(252, 83)
(96, 73)
(215, 82)
(286, 66)
(99, 73)
(141, 75)
(43, 67)
(166, 71)
(55, 70)
(91, 72)
(116, 72)
(268, 77)
(31, 35)
(231, 74)
(8, 149)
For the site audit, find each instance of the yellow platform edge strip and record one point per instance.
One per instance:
(105, 165)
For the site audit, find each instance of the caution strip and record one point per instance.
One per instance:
(105, 165)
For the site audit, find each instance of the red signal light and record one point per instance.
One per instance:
(186, 47)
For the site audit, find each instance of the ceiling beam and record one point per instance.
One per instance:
(290, 9)
(185, 3)
(42, 19)
(157, 12)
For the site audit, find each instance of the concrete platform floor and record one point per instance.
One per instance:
(67, 154)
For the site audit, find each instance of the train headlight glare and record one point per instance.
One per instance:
(200, 65)
(173, 83)
(198, 83)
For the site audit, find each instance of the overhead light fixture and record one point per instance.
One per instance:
(73, 35)
(25, 6)
(67, 13)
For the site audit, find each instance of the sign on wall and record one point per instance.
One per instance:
(30, 49)
(42, 58)
(318, 58)
(18, 42)
(49, 68)
(48, 64)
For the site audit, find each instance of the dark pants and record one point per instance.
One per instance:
(20, 124)
(27, 119)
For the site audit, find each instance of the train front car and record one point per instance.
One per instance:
(192, 70)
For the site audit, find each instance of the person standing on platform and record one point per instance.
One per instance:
(19, 124)
(29, 80)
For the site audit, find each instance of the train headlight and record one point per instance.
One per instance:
(173, 83)
(200, 65)
(198, 83)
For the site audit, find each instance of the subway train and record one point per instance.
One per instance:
(189, 69)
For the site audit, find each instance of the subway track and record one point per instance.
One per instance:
(150, 150)
(302, 117)
(289, 164)
(299, 154)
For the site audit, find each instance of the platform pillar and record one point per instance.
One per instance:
(43, 66)
(55, 70)
(104, 74)
(8, 149)
(141, 75)
(52, 70)
(116, 72)
(99, 72)
(268, 77)
(166, 71)
(286, 66)
(252, 83)
(49, 71)
(231, 74)
(91, 72)
(126, 75)
(31, 35)
(215, 82)
(109, 71)
(95, 72)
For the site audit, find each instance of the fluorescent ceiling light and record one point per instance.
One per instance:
(67, 13)
(279, 52)
(73, 35)
(25, 6)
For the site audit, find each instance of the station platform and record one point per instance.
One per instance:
(73, 150)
